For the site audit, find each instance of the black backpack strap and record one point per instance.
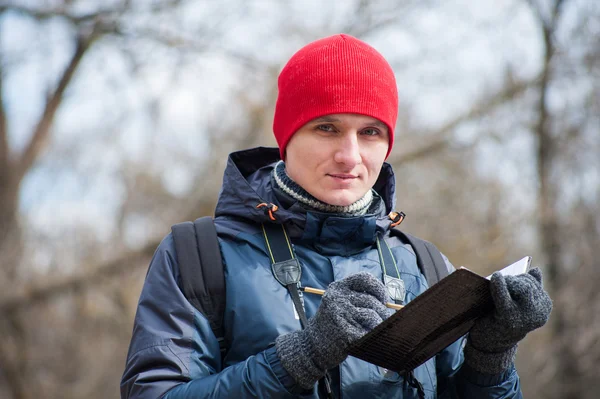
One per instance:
(201, 268)
(429, 258)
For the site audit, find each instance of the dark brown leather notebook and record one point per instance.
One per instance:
(430, 322)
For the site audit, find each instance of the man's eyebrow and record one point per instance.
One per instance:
(330, 119)
(378, 124)
(326, 118)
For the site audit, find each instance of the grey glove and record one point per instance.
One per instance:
(521, 306)
(349, 309)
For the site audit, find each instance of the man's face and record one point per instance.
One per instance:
(337, 158)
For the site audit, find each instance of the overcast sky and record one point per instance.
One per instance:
(445, 57)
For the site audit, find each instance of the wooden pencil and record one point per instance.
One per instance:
(317, 291)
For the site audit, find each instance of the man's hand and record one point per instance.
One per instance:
(521, 305)
(350, 308)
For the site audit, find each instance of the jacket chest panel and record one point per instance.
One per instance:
(259, 308)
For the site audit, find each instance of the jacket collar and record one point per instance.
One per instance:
(247, 183)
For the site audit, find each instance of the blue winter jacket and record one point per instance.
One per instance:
(174, 354)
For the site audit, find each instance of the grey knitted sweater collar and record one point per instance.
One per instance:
(294, 190)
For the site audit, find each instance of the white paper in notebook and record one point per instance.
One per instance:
(519, 267)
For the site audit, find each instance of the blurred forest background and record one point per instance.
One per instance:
(116, 118)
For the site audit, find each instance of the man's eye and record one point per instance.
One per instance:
(370, 132)
(325, 128)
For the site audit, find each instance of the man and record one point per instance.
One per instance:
(327, 185)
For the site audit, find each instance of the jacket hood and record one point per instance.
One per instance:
(247, 182)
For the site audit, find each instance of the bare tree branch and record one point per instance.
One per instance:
(42, 15)
(427, 150)
(548, 24)
(42, 129)
(4, 153)
(131, 260)
(557, 10)
(48, 290)
(367, 23)
(536, 9)
(171, 39)
(441, 138)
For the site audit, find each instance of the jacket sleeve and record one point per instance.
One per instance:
(457, 380)
(174, 354)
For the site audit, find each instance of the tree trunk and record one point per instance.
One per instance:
(10, 233)
(548, 222)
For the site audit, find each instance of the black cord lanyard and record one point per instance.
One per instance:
(287, 271)
(395, 287)
(391, 275)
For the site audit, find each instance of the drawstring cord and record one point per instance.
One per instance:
(270, 209)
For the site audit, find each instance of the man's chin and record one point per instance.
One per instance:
(341, 199)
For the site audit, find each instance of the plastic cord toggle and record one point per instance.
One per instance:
(270, 208)
(397, 218)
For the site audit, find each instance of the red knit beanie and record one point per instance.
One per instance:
(334, 75)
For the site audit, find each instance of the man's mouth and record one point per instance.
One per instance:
(343, 176)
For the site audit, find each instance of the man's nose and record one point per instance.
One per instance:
(348, 150)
